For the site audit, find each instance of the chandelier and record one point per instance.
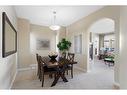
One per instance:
(54, 27)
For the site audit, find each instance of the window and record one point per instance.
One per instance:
(78, 44)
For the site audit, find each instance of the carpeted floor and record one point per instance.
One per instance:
(100, 77)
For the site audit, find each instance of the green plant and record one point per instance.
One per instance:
(64, 45)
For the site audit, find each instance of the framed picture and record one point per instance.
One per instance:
(9, 37)
(78, 44)
(43, 44)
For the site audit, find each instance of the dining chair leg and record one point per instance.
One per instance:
(40, 75)
(72, 72)
(67, 72)
(37, 71)
(42, 80)
(63, 77)
(50, 75)
(57, 76)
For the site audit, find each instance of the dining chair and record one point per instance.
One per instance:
(70, 57)
(63, 55)
(38, 66)
(45, 70)
(46, 59)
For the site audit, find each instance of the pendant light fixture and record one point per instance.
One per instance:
(54, 27)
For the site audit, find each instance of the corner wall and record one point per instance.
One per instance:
(8, 65)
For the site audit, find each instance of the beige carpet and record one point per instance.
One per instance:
(100, 77)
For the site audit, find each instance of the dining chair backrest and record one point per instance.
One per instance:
(63, 55)
(37, 58)
(45, 59)
(38, 62)
(70, 57)
(42, 64)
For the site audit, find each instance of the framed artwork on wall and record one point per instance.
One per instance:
(9, 37)
(78, 44)
(43, 44)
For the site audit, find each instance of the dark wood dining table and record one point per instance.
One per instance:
(60, 65)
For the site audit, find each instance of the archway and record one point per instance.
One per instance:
(98, 31)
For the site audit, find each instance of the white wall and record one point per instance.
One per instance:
(28, 33)
(24, 55)
(8, 64)
(109, 36)
(123, 48)
(60, 34)
(41, 32)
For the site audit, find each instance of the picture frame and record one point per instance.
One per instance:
(9, 37)
(42, 44)
(78, 44)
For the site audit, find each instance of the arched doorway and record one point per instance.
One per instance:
(101, 41)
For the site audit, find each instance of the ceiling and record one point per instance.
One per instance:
(65, 15)
(103, 26)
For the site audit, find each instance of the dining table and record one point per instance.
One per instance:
(60, 65)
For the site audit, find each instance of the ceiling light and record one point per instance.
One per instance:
(54, 27)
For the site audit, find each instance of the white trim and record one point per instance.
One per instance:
(84, 70)
(23, 69)
(14, 77)
(27, 68)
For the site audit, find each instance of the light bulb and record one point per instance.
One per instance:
(54, 27)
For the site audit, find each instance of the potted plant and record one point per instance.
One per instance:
(64, 45)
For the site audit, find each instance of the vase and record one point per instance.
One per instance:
(53, 57)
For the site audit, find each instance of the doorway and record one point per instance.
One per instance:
(102, 46)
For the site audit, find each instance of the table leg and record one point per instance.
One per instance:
(55, 80)
(106, 63)
(57, 76)
(63, 77)
(109, 64)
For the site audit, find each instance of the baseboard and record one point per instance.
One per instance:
(83, 70)
(20, 69)
(24, 69)
(13, 80)
(88, 71)
(116, 85)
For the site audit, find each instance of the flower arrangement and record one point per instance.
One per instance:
(53, 53)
